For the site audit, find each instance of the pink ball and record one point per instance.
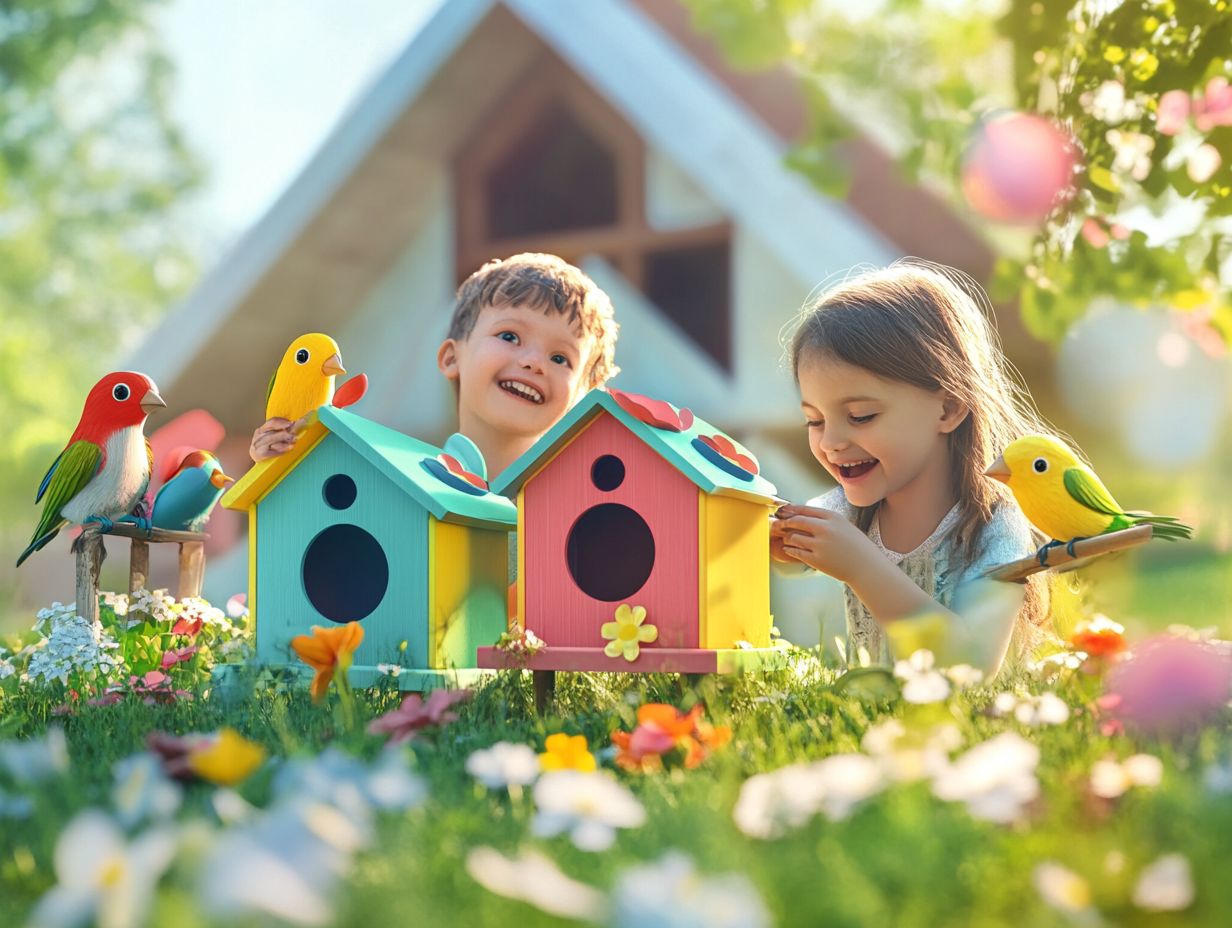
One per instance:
(1018, 167)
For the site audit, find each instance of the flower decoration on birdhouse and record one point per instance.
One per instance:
(726, 455)
(449, 471)
(626, 635)
(653, 412)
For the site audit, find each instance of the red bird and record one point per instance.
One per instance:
(103, 471)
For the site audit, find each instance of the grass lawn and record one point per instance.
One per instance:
(985, 806)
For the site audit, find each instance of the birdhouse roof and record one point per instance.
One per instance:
(399, 457)
(710, 470)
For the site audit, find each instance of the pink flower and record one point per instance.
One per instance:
(1168, 684)
(1173, 112)
(1214, 108)
(403, 723)
(189, 627)
(109, 698)
(178, 656)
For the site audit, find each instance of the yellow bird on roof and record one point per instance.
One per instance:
(304, 380)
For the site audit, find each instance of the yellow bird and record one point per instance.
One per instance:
(304, 381)
(1064, 499)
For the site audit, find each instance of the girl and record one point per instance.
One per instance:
(907, 399)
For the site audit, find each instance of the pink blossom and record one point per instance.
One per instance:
(1168, 684)
(404, 722)
(1095, 234)
(109, 698)
(1214, 108)
(178, 656)
(650, 739)
(1173, 112)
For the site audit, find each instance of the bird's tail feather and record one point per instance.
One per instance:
(1168, 528)
(38, 543)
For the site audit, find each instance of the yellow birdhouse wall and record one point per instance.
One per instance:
(467, 591)
(733, 572)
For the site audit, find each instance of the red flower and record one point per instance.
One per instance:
(404, 723)
(189, 627)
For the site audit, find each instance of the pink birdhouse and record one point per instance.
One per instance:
(643, 544)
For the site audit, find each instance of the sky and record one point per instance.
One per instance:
(260, 84)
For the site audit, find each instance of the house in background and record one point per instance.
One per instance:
(607, 132)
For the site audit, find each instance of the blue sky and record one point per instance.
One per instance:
(260, 84)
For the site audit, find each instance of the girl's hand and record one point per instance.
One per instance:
(777, 552)
(272, 438)
(824, 540)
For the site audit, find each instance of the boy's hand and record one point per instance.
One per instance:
(822, 539)
(274, 437)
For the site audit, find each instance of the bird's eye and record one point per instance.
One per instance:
(1040, 465)
(121, 392)
(301, 356)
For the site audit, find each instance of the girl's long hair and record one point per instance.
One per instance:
(931, 326)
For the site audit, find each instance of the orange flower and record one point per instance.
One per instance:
(328, 651)
(1099, 638)
(662, 728)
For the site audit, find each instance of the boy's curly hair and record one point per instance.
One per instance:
(546, 283)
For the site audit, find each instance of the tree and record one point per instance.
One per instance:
(1141, 87)
(91, 170)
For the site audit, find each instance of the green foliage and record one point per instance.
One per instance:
(922, 74)
(91, 168)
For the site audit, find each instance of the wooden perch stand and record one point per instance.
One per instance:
(89, 549)
(1085, 550)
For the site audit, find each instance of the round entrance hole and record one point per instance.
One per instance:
(610, 551)
(345, 573)
(339, 491)
(608, 472)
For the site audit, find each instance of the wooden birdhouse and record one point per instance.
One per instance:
(643, 543)
(360, 522)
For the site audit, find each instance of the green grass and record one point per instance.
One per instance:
(903, 858)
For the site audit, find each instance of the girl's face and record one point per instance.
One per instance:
(876, 437)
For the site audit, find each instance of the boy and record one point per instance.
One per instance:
(529, 336)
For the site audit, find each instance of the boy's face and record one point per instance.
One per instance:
(519, 371)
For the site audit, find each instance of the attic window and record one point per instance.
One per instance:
(554, 168)
(556, 177)
(599, 533)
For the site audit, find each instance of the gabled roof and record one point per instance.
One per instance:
(399, 457)
(679, 448)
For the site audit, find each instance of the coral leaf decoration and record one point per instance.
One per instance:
(449, 471)
(467, 452)
(726, 455)
(351, 392)
(653, 412)
(566, 752)
(626, 635)
(328, 651)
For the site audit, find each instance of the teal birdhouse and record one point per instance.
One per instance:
(361, 523)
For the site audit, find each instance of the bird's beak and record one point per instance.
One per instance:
(152, 400)
(220, 480)
(998, 470)
(333, 365)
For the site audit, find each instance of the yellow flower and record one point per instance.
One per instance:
(626, 634)
(226, 760)
(566, 752)
(328, 651)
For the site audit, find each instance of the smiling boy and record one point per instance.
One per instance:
(529, 336)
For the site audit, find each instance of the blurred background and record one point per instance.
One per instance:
(185, 186)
